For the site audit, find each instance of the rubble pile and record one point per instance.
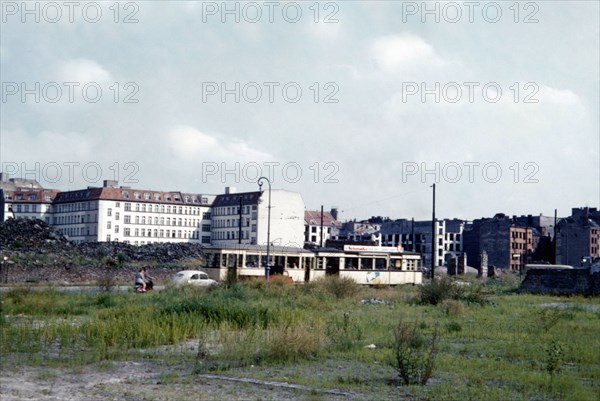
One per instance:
(30, 234)
(34, 251)
(35, 236)
(160, 253)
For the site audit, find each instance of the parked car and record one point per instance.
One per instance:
(193, 277)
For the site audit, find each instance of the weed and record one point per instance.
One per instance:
(339, 287)
(554, 358)
(453, 308)
(453, 327)
(414, 355)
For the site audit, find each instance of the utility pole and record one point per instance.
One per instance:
(321, 242)
(412, 234)
(555, 232)
(433, 236)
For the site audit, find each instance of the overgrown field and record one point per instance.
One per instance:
(490, 344)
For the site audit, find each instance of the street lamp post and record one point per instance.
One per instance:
(267, 267)
(433, 237)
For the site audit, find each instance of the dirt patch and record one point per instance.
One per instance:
(132, 381)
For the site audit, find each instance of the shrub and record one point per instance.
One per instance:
(453, 307)
(554, 358)
(453, 327)
(339, 287)
(344, 334)
(437, 291)
(414, 355)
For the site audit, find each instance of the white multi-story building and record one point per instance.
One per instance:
(252, 210)
(416, 236)
(312, 226)
(132, 216)
(26, 199)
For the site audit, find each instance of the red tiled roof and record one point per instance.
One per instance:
(130, 195)
(31, 195)
(313, 218)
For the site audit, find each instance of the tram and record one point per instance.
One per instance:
(369, 265)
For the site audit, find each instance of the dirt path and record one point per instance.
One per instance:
(133, 381)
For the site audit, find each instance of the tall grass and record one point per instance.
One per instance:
(499, 350)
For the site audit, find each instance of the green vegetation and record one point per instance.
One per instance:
(476, 340)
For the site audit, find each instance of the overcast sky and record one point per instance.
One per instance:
(360, 105)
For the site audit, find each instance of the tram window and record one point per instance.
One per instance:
(366, 263)
(252, 261)
(212, 260)
(397, 264)
(231, 260)
(380, 264)
(351, 263)
(293, 262)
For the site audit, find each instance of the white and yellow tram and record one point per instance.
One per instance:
(363, 264)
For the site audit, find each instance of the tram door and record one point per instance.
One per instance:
(332, 266)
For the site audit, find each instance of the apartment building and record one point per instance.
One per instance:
(507, 242)
(578, 236)
(416, 236)
(242, 218)
(313, 219)
(24, 198)
(134, 216)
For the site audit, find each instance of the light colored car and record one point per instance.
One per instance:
(193, 277)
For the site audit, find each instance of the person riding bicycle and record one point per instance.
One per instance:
(140, 280)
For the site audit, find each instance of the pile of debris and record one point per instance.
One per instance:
(30, 234)
(35, 236)
(160, 253)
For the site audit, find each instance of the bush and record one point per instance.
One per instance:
(339, 287)
(453, 307)
(437, 291)
(414, 355)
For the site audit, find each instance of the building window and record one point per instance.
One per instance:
(116, 229)
(127, 219)
(109, 212)
(108, 224)
(127, 207)
(117, 204)
(127, 232)
(116, 215)
(107, 237)
(206, 227)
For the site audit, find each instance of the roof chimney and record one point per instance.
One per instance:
(110, 184)
(334, 212)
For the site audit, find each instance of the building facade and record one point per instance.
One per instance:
(312, 226)
(133, 216)
(578, 236)
(506, 241)
(243, 218)
(416, 236)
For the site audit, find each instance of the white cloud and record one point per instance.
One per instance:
(82, 70)
(561, 96)
(400, 52)
(189, 144)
